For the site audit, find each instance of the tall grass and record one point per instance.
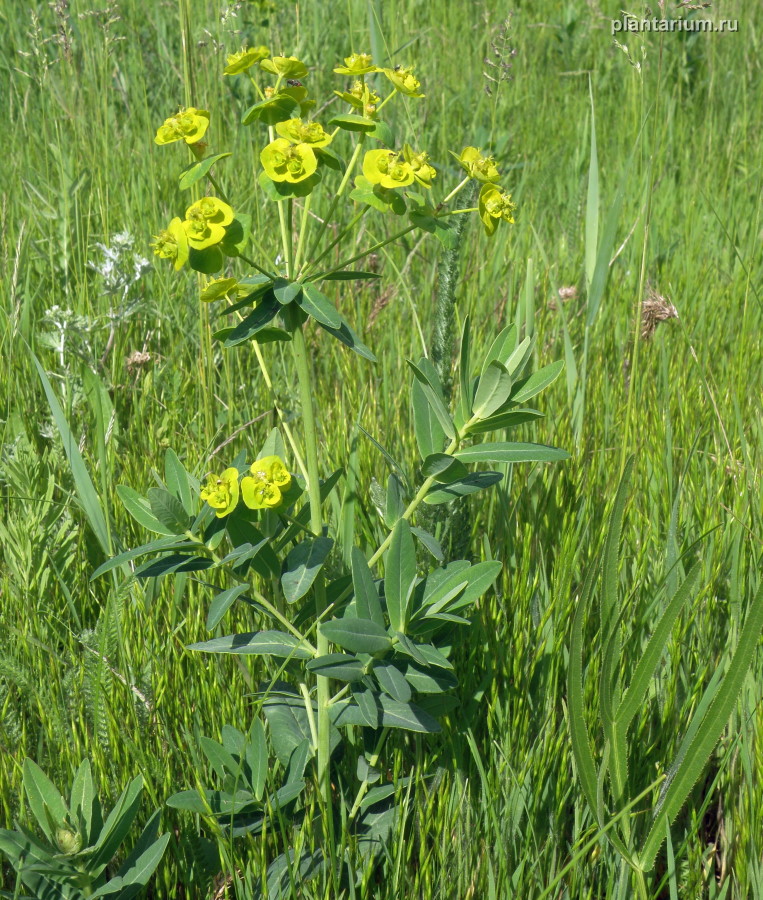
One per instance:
(100, 670)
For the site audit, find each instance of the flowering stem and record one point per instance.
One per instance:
(422, 492)
(261, 600)
(216, 185)
(340, 191)
(304, 377)
(453, 193)
(302, 231)
(372, 249)
(338, 239)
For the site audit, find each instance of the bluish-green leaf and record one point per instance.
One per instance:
(400, 575)
(356, 635)
(257, 643)
(507, 452)
(303, 565)
(340, 666)
(196, 170)
(477, 481)
(222, 603)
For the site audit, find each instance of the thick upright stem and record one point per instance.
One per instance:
(304, 377)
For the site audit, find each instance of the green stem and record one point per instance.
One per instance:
(340, 190)
(363, 789)
(216, 185)
(338, 239)
(422, 492)
(263, 601)
(348, 262)
(303, 228)
(304, 377)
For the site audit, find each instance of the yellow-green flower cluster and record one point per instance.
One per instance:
(483, 168)
(187, 125)
(263, 488)
(357, 64)
(391, 169)
(493, 206)
(291, 156)
(404, 81)
(221, 492)
(204, 226)
(360, 97)
(245, 59)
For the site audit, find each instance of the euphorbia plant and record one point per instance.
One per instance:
(367, 649)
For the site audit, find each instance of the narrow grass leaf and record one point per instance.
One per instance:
(83, 485)
(681, 780)
(635, 696)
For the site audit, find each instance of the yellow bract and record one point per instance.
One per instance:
(205, 222)
(284, 161)
(285, 66)
(419, 163)
(188, 125)
(357, 64)
(477, 166)
(387, 168)
(221, 492)
(298, 132)
(495, 205)
(172, 243)
(269, 480)
(245, 59)
(361, 97)
(404, 80)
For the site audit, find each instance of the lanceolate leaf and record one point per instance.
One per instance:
(427, 377)
(505, 452)
(263, 314)
(400, 575)
(356, 635)
(259, 643)
(367, 604)
(477, 481)
(492, 391)
(318, 305)
(528, 387)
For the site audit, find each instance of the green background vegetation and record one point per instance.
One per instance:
(98, 670)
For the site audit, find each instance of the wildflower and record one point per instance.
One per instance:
(285, 66)
(477, 166)
(357, 64)
(404, 81)
(188, 125)
(283, 161)
(212, 209)
(495, 205)
(419, 163)
(387, 168)
(245, 59)
(205, 222)
(269, 480)
(221, 492)
(361, 97)
(172, 243)
(298, 132)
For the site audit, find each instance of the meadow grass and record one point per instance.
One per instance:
(99, 668)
